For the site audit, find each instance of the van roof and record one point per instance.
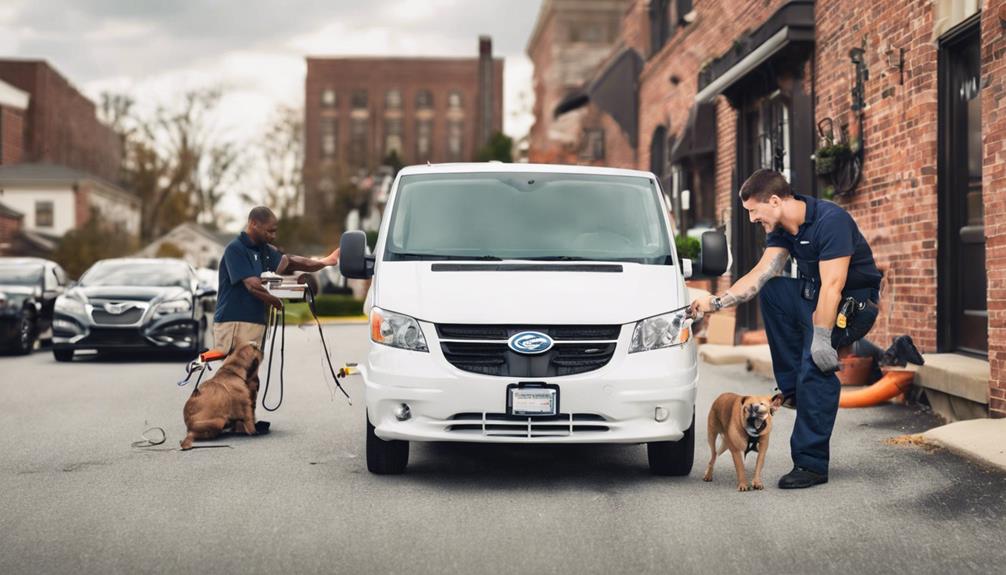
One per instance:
(501, 167)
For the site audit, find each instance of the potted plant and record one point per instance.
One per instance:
(827, 158)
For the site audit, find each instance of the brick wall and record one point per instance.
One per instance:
(993, 183)
(61, 125)
(12, 135)
(10, 225)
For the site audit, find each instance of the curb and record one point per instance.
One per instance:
(980, 440)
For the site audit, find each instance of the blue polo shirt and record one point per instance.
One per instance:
(828, 232)
(243, 259)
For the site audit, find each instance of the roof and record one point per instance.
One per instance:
(222, 238)
(9, 211)
(41, 173)
(497, 167)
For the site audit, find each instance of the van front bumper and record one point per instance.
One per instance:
(635, 398)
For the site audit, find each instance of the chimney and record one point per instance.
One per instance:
(485, 121)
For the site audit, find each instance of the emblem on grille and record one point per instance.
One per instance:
(117, 308)
(530, 342)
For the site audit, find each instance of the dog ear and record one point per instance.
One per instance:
(776, 402)
(253, 367)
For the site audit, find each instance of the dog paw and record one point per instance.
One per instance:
(707, 477)
(758, 486)
(743, 487)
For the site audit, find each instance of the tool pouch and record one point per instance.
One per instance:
(858, 323)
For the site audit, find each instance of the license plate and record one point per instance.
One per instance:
(533, 401)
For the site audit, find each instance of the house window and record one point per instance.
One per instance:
(424, 99)
(328, 98)
(329, 141)
(593, 144)
(454, 100)
(660, 24)
(684, 8)
(455, 140)
(393, 99)
(358, 142)
(359, 99)
(393, 136)
(43, 214)
(424, 140)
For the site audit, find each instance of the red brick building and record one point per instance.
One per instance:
(13, 105)
(905, 93)
(60, 125)
(359, 110)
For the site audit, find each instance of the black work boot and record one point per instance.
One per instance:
(801, 478)
(262, 427)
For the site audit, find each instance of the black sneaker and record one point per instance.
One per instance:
(801, 478)
(261, 427)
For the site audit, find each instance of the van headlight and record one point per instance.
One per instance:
(396, 330)
(658, 332)
(68, 305)
(172, 307)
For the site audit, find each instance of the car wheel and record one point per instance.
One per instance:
(385, 457)
(25, 334)
(673, 458)
(63, 354)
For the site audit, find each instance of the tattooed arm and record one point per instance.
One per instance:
(745, 289)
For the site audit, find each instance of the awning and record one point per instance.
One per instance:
(699, 137)
(615, 91)
(790, 29)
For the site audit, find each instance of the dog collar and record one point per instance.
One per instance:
(754, 434)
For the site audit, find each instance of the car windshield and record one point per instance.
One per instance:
(528, 216)
(20, 274)
(136, 274)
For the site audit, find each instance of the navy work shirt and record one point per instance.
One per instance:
(828, 232)
(243, 259)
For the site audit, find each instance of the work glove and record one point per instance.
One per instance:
(825, 357)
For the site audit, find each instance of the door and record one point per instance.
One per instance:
(963, 309)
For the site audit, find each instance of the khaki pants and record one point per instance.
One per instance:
(230, 335)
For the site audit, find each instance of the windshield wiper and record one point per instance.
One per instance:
(439, 257)
(560, 259)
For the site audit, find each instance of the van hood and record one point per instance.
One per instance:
(494, 293)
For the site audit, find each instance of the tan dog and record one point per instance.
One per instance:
(745, 423)
(226, 398)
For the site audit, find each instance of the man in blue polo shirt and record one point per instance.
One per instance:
(831, 304)
(241, 298)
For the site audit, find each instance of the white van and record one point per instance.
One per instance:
(523, 303)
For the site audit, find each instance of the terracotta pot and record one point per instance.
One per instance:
(855, 370)
(754, 338)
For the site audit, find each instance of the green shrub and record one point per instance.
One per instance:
(338, 305)
(688, 247)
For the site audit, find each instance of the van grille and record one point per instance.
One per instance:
(577, 349)
(501, 424)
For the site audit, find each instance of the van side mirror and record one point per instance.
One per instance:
(353, 260)
(714, 255)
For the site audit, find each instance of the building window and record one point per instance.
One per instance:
(593, 144)
(424, 140)
(43, 214)
(684, 8)
(328, 98)
(393, 99)
(329, 138)
(454, 100)
(455, 140)
(660, 24)
(424, 99)
(359, 99)
(393, 136)
(358, 142)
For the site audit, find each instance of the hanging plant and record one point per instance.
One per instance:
(827, 158)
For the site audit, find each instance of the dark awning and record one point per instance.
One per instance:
(614, 90)
(699, 136)
(790, 29)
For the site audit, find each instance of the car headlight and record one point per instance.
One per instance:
(172, 307)
(658, 332)
(396, 330)
(67, 305)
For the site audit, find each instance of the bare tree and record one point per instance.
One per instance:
(282, 153)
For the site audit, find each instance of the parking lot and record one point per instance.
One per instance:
(77, 497)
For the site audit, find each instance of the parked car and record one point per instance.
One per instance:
(132, 304)
(28, 291)
(520, 303)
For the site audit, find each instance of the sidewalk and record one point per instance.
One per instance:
(980, 440)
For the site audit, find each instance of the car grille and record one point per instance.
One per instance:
(503, 425)
(577, 349)
(127, 317)
(114, 337)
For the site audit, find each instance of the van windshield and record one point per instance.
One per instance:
(528, 216)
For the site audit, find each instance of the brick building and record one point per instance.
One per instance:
(359, 110)
(571, 39)
(906, 95)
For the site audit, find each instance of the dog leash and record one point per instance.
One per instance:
(273, 312)
(324, 345)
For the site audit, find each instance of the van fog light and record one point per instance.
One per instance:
(661, 414)
(403, 413)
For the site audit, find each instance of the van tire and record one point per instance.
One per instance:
(385, 457)
(673, 458)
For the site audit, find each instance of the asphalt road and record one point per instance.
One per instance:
(76, 497)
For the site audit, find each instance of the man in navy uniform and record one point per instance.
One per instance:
(831, 304)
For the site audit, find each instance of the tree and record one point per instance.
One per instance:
(95, 240)
(499, 147)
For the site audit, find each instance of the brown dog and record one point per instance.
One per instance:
(226, 398)
(744, 422)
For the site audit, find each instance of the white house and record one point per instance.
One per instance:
(200, 247)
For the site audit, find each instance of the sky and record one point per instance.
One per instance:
(254, 49)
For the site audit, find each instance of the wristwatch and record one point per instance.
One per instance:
(716, 303)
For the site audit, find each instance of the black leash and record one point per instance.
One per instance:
(324, 345)
(273, 312)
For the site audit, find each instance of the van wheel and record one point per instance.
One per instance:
(385, 457)
(673, 458)
(63, 354)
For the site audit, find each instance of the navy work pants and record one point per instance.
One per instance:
(790, 330)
